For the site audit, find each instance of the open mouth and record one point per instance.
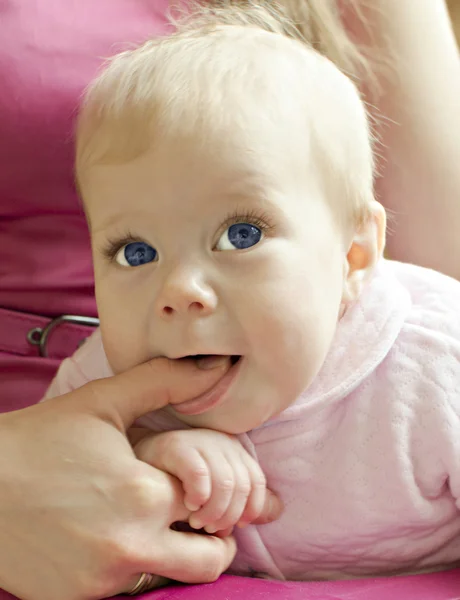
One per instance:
(233, 358)
(217, 394)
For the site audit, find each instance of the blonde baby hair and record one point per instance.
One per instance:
(223, 57)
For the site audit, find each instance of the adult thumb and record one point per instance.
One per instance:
(152, 385)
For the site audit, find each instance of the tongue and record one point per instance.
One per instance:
(210, 361)
(211, 357)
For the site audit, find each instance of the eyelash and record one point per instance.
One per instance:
(114, 245)
(260, 220)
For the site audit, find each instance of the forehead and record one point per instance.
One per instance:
(181, 168)
(254, 149)
(178, 181)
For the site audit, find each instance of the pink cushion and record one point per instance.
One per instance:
(434, 586)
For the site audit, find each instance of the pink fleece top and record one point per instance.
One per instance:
(367, 460)
(50, 50)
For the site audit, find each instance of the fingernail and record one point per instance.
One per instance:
(211, 362)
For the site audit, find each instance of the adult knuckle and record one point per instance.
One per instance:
(139, 493)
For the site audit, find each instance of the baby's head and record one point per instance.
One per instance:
(227, 176)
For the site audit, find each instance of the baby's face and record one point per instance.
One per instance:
(224, 248)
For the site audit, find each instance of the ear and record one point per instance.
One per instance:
(366, 249)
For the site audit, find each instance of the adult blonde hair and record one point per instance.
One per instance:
(193, 81)
(326, 25)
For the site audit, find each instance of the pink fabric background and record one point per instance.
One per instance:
(49, 51)
(437, 586)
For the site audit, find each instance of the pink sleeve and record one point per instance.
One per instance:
(68, 378)
(87, 364)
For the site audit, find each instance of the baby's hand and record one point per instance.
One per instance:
(223, 484)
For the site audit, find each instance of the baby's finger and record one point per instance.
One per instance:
(196, 480)
(257, 497)
(239, 499)
(166, 451)
(223, 533)
(222, 486)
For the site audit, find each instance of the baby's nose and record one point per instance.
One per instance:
(177, 307)
(186, 296)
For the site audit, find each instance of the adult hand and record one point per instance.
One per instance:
(80, 516)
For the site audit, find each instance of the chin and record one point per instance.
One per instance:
(233, 417)
(235, 427)
(222, 425)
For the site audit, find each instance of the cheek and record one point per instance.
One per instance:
(121, 314)
(300, 326)
(293, 318)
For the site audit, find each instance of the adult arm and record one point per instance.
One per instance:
(420, 102)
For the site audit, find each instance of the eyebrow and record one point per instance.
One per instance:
(248, 191)
(112, 221)
(245, 190)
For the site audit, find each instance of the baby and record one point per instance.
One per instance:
(227, 177)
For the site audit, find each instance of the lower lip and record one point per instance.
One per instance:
(212, 397)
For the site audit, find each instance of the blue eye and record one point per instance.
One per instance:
(136, 254)
(239, 237)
